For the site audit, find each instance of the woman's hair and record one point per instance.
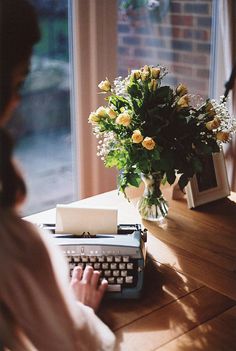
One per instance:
(19, 31)
(42, 318)
(12, 185)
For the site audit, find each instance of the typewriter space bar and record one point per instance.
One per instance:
(113, 287)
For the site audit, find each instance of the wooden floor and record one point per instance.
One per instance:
(175, 313)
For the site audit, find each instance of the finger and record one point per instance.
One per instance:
(77, 273)
(88, 272)
(103, 286)
(95, 279)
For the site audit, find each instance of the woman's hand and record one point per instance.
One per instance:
(86, 286)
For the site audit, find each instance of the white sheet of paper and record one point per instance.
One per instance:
(77, 220)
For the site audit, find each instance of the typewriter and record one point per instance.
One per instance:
(120, 257)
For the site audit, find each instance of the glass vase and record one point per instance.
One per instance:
(152, 205)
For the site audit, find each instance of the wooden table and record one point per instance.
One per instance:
(189, 294)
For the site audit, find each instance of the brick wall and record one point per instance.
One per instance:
(181, 41)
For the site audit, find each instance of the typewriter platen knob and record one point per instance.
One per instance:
(144, 235)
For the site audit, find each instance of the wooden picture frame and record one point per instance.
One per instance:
(212, 184)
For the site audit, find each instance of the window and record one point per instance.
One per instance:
(176, 34)
(42, 124)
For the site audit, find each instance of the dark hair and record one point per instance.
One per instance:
(19, 31)
(11, 183)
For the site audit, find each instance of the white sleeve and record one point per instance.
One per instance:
(92, 331)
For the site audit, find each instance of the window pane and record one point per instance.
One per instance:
(42, 124)
(176, 34)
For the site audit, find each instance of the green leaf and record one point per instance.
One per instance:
(134, 90)
(164, 92)
(143, 164)
(197, 165)
(134, 180)
(156, 154)
(183, 181)
(205, 149)
(166, 160)
(119, 102)
(164, 180)
(170, 175)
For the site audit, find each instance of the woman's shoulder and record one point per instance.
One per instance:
(19, 238)
(12, 222)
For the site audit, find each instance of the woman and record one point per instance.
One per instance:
(39, 310)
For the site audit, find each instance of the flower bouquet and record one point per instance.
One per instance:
(152, 132)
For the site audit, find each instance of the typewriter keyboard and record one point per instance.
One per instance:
(119, 271)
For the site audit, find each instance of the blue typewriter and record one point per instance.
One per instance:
(120, 257)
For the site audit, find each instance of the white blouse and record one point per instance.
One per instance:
(29, 297)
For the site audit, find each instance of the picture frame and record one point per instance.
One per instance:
(210, 185)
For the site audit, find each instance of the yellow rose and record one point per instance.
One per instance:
(137, 136)
(210, 109)
(215, 123)
(183, 101)
(145, 76)
(93, 118)
(105, 85)
(209, 125)
(101, 111)
(145, 73)
(124, 119)
(155, 72)
(181, 90)
(153, 85)
(208, 106)
(135, 74)
(222, 136)
(148, 143)
(111, 113)
(145, 68)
